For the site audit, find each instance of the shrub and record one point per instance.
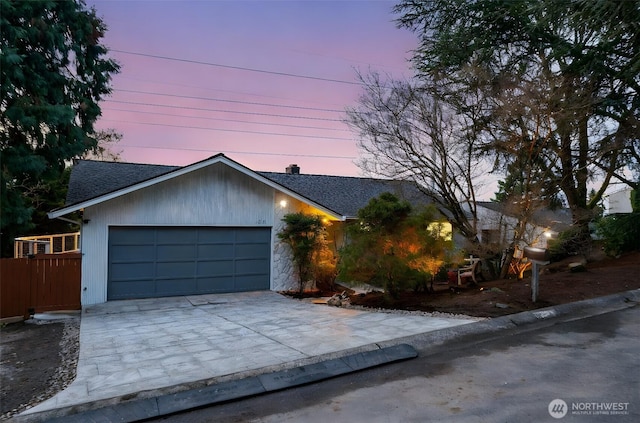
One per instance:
(391, 247)
(304, 234)
(620, 233)
(575, 240)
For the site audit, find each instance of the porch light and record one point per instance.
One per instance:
(283, 203)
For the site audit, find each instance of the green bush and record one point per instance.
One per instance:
(620, 233)
(391, 247)
(575, 240)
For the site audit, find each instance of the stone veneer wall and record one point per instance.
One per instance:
(285, 275)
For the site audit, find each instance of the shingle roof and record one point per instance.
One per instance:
(90, 178)
(344, 195)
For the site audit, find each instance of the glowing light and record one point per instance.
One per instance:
(283, 203)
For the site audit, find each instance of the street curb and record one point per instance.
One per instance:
(162, 405)
(523, 321)
(183, 397)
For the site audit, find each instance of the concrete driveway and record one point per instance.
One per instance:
(127, 347)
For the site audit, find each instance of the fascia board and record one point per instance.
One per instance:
(182, 171)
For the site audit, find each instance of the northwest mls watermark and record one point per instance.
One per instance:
(558, 408)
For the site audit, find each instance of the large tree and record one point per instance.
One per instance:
(407, 132)
(53, 72)
(579, 61)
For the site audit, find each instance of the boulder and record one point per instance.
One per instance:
(335, 301)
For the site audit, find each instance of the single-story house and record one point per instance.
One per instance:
(497, 224)
(209, 227)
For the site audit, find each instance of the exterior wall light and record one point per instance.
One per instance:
(283, 203)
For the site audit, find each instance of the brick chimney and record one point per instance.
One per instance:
(293, 169)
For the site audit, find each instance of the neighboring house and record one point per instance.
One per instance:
(209, 227)
(496, 225)
(619, 202)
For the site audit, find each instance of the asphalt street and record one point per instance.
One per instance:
(590, 364)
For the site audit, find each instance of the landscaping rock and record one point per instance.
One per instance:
(577, 267)
(335, 301)
(500, 305)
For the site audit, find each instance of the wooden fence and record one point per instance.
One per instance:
(46, 282)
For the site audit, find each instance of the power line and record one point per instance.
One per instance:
(197, 62)
(220, 110)
(201, 88)
(225, 120)
(254, 103)
(238, 152)
(229, 130)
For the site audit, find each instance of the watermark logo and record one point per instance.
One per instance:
(558, 408)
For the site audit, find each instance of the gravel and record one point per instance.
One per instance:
(35, 364)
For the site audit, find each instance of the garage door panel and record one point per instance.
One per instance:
(132, 271)
(175, 269)
(175, 252)
(177, 236)
(249, 283)
(251, 266)
(130, 289)
(219, 236)
(175, 286)
(216, 268)
(218, 251)
(216, 285)
(131, 236)
(249, 250)
(133, 253)
(167, 261)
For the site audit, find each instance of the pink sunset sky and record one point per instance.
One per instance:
(180, 107)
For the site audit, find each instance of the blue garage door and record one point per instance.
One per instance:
(147, 262)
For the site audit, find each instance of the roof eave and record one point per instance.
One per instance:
(220, 158)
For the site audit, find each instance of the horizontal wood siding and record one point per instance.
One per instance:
(214, 196)
(47, 282)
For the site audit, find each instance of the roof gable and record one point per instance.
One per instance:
(92, 182)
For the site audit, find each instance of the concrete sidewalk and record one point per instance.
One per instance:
(140, 348)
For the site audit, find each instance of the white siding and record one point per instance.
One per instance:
(619, 202)
(214, 196)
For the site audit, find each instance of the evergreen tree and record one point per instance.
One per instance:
(53, 73)
(560, 74)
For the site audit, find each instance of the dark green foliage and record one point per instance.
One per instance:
(304, 234)
(53, 73)
(557, 80)
(392, 248)
(635, 200)
(384, 213)
(620, 233)
(573, 241)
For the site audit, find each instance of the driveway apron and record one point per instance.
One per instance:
(138, 345)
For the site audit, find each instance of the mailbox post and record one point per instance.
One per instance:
(539, 257)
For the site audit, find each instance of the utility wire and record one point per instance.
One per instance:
(287, 74)
(202, 88)
(220, 110)
(231, 101)
(228, 130)
(225, 120)
(238, 152)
